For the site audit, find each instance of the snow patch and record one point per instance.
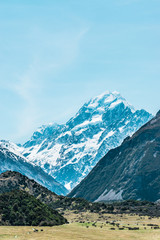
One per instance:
(121, 129)
(68, 185)
(100, 109)
(102, 95)
(65, 133)
(111, 133)
(115, 103)
(109, 99)
(155, 154)
(97, 118)
(110, 196)
(93, 104)
(80, 131)
(153, 121)
(82, 124)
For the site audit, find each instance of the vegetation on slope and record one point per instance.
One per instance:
(11, 180)
(18, 208)
(141, 208)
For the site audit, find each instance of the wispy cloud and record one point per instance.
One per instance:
(56, 53)
(126, 2)
(27, 116)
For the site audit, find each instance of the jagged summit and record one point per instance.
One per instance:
(108, 99)
(93, 110)
(98, 104)
(69, 151)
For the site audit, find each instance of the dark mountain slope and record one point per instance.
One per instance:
(131, 171)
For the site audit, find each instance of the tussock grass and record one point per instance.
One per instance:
(86, 230)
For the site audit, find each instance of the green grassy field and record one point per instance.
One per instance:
(100, 230)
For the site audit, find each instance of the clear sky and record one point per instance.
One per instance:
(57, 54)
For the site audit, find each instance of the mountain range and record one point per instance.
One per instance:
(69, 151)
(130, 171)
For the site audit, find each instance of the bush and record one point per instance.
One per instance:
(18, 208)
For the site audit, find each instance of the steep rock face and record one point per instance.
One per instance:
(69, 152)
(131, 171)
(10, 159)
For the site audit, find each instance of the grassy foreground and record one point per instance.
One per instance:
(75, 232)
(99, 230)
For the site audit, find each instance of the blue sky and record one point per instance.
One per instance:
(57, 54)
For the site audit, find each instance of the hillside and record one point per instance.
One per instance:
(14, 181)
(11, 180)
(18, 208)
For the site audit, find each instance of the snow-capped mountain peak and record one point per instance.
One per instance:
(108, 99)
(69, 151)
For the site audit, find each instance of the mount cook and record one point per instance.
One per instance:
(69, 151)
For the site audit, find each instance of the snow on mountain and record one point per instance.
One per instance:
(11, 159)
(7, 146)
(68, 152)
